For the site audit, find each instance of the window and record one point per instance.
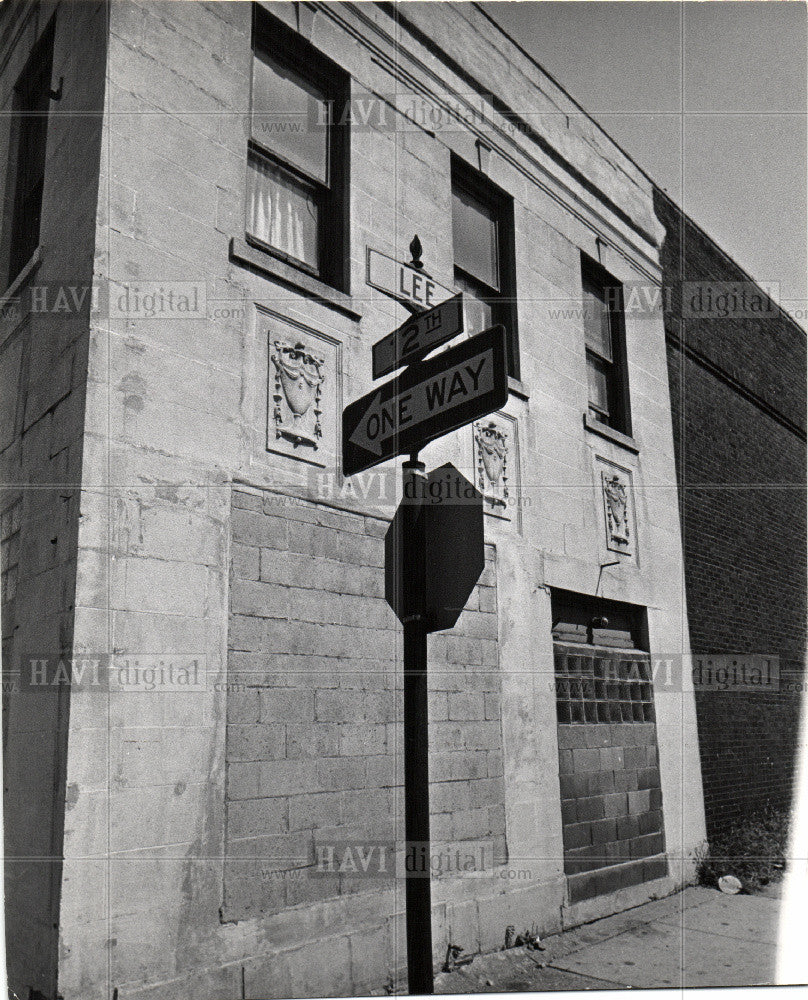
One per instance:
(597, 621)
(482, 230)
(297, 163)
(605, 347)
(29, 137)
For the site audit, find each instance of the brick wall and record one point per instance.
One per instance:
(738, 401)
(314, 707)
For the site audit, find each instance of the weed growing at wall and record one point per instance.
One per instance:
(753, 850)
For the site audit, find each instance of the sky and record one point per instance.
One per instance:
(708, 98)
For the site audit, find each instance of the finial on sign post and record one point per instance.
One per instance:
(416, 250)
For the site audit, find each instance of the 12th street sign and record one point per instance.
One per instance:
(418, 336)
(426, 401)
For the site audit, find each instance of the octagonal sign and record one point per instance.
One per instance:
(454, 542)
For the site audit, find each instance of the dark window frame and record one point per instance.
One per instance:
(286, 47)
(502, 300)
(586, 611)
(31, 118)
(614, 369)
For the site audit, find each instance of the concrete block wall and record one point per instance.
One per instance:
(738, 400)
(146, 767)
(610, 783)
(611, 803)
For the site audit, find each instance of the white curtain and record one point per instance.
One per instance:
(282, 212)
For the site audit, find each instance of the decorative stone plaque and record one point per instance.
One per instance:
(496, 464)
(617, 508)
(303, 392)
(297, 410)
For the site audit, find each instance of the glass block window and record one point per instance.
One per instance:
(602, 687)
(602, 669)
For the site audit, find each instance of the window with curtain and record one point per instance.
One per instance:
(607, 374)
(482, 231)
(297, 162)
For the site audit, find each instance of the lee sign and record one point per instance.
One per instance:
(402, 282)
(427, 400)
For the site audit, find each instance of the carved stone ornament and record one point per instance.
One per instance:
(492, 463)
(615, 495)
(299, 377)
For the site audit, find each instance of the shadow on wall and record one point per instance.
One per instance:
(43, 445)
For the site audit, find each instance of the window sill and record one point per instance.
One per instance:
(517, 388)
(299, 281)
(22, 277)
(611, 434)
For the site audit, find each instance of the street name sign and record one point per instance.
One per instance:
(426, 401)
(403, 282)
(418, 336)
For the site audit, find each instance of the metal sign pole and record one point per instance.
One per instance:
(416, 745)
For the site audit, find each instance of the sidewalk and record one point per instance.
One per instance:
(698, 937)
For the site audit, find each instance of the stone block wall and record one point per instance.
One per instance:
(314, 704)
(159, 793)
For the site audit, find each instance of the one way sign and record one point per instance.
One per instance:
(428, 400)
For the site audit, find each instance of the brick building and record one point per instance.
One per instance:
(190, 302)
(738, 402)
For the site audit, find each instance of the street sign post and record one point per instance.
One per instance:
(403, 282)
(434, 554)
(433, 550)
(417, 887)
(418, 336)
(426, 401)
